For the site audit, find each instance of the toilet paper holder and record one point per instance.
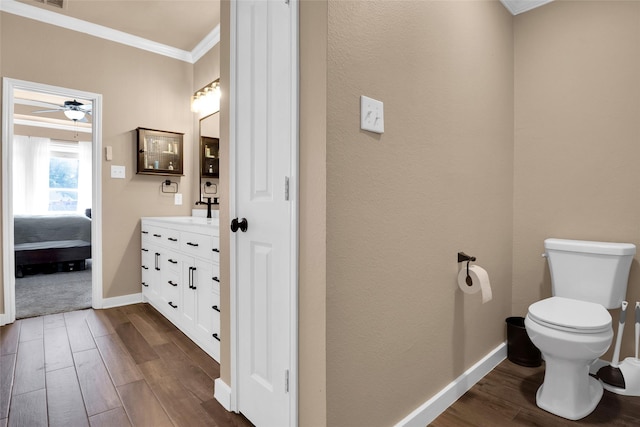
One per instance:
(462, 257)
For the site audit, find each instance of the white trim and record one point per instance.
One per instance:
(49, 17)
(205, 45)
(233, 288)
(8, 258)
(4, 319)
(122, 300)
(222, 393)
(517, 7)
(51, 125)
(295, 204)
(429, 411)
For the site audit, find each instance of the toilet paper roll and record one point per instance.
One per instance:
(479, 282)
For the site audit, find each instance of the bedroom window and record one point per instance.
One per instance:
(63, 184)
(51, 176)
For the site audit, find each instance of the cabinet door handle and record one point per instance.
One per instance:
(172, 261)
(145, 285)
(216, 337)
(215, 307)
(157, 235)
(145, 250)
(157, 261)
(215, 250)
(172, 284)
(216, 279)
(173, 239)
(192, 279)
(145, 232)
(195, 245)
(172, 305)
(145, 267)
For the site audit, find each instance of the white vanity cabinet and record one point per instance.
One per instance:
(180, 275)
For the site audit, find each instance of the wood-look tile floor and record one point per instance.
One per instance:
(125, 366)
(507, 397)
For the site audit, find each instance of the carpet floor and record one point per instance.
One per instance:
(42, 294)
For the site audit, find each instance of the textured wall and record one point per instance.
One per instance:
(577, 88)
(139, 88)
(402, 204)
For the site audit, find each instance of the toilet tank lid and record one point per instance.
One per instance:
(605, 248)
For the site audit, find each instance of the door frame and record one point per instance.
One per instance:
(8, 256)
(294, 199)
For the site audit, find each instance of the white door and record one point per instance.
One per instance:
(264, 141)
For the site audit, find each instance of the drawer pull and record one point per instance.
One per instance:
(215, 307)
(171, 304)
(215, 250)
(216, 279)
(145, 285)
(173, 239)
(172, 261)
(157, 235)
(145, 267)
(195, 245)
(145, 250)
(216, 337)
(145, 232)
(172, 284)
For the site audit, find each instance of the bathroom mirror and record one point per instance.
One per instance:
(209, 155)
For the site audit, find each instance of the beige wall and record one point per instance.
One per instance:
(205, 71)
(139, 88)
(402, 204)
(577, 68)
(313, 214)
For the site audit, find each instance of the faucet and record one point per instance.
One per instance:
(208, 203)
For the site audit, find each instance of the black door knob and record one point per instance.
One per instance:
(243, 225)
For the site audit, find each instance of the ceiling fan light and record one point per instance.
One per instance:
(74, 115)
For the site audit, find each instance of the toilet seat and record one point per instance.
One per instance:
(565, 314)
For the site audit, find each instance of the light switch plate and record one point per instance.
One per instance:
(177, 199)
(108, 153)
(371, 114)
(117, 172)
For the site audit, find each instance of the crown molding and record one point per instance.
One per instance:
(206, 44)
(48, 17)
(517, 7)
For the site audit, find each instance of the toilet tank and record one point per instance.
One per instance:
(589, 271)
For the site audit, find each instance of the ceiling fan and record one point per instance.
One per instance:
(73, 110)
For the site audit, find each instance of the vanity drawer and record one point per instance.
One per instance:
(173, 262)
(171, 238)
(199, 245)
(216, 316)
(215, 276)
(216, 248)
(171, 287)
(153, 234)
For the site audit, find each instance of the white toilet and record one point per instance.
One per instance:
(573, 328)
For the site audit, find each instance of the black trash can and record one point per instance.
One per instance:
(520, 349)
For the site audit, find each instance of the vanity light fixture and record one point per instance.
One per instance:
(207, 99)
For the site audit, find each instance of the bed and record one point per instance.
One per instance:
(51, 240)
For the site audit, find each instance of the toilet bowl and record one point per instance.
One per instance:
(571, 334)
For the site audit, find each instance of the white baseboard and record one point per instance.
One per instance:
(222, 393)
(4, 319)
(122, 300)
(429, 411)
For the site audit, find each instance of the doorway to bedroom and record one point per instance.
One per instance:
(52, 175)
(51, 202)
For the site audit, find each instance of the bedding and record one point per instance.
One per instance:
(51, 240)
